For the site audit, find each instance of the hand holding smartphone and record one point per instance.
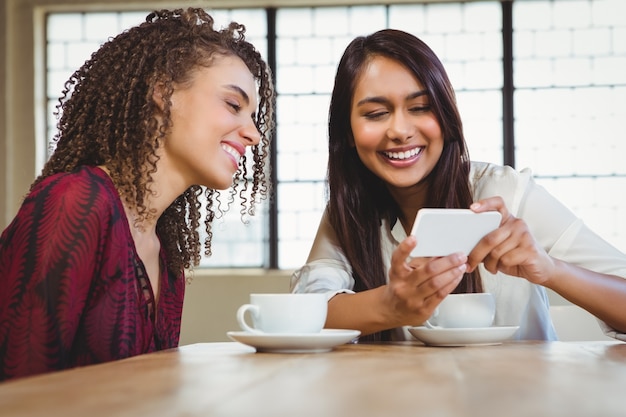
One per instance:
(440, 232)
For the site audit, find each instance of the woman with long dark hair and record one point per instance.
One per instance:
(396, 145)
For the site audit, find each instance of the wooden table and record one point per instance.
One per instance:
(529, 379)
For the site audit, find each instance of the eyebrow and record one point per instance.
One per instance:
(240, 91)
(243, 94)
(383, 100)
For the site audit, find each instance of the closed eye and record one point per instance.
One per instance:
(234, 101)
(375, 115)
(420, 109)
(235, 106)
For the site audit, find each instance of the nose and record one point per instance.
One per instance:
(250, 133)
(400, 127)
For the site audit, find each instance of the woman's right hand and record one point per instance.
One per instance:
(417, 285)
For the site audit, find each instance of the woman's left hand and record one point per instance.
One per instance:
(511, 248)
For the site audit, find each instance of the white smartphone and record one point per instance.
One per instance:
(440, 232)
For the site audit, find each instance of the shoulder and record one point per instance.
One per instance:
(488, 173)
(85, 179)
(85, 191)
(82, 177)
(488, 180)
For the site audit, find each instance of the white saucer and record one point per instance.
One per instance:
(297, 342)
(463, 337)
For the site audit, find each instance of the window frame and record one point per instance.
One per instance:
(508, 89)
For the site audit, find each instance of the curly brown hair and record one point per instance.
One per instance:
(108, 117)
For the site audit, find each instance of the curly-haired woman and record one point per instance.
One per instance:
(92, 267)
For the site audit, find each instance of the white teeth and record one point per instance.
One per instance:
(403, 155)
(232, 151)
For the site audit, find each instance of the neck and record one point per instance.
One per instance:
(410, 200)
(156, 202)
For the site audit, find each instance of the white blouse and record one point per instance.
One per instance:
(518, 302)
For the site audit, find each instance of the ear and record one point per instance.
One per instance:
(157, 94)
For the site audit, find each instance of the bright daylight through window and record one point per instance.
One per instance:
(569, 61)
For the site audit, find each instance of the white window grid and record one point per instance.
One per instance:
(570, 77)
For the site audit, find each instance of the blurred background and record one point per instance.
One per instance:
(540, 84)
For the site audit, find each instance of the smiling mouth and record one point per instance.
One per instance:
(400, 156)
(232, 152)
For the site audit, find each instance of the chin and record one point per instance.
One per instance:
(223, 185)
(222, 181)
(220, 186)
(213, 185)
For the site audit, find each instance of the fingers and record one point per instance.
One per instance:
(403, 266)
(423, 277)
(436, 277)
(485, 251)
(492, 260)
(492, 204)
(414, 295)
(520, 256)
(444, 275)
(508, 248)
(399, 266)
(489, 249)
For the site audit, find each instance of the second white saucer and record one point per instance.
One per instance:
(295, 343)
(463, 337)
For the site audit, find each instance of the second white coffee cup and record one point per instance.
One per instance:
(474, 310)
(284, 313)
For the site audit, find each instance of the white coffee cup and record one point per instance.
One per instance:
(284, 313)
(473, 310)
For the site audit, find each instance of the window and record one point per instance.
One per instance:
(570, 91)
(570, 105)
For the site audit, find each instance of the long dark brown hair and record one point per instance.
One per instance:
(358, 199)
(108, 117)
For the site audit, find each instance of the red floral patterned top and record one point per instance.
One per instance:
(73, 290)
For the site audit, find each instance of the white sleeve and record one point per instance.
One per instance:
(566, 237)
(323, 276)
(327, 270)
(555, 227)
